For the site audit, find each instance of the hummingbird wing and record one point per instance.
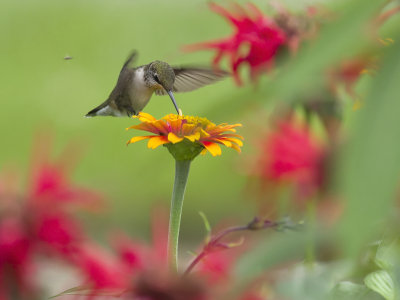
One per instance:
(124, 78)
(119, 95)
(119, 98)
(131, 57)
(191, 78)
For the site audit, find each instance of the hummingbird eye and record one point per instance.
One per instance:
(156, 79)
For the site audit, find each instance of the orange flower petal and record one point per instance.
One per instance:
(236, 141)
(161, 126)
(203, 133)
(145, 127)
(193, 137)
(188, 128)
(156, 141)
(231, 135)
(225, 142)
(145, 117)
(139, 138)
(213, 148)
(237, 148)
(173, 138)
(175, 125)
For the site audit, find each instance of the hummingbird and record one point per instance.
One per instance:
(136, 85)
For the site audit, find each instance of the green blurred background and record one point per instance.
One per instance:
(42, 92)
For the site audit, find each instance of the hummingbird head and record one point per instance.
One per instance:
(162, 76)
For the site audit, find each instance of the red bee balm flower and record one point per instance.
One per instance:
(293, 154)
(253, 29)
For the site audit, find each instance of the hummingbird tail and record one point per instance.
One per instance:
(97, 111)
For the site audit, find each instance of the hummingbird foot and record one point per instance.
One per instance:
(131, 112)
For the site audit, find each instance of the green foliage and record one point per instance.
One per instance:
(207, 225)
(87, 291)
(374, 148)
(41, 91)
(369, 170)
(382, 283)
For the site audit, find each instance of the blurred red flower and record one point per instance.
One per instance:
(57, 231)
(50, 183)
(292, 154)
(41, 224)
(16, 261)
(217, 266)
(259, 33)
(101, 269)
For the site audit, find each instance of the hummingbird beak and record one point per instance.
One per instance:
(174, 102)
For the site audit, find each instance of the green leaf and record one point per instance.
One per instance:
(206, 225)
(88, 290)
(370, 163)
(192, 253)
(78, 290)
(382, 283)
(387, 254)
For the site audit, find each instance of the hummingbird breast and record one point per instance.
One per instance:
(139, 92)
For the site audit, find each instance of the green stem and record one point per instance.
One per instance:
(181, 175)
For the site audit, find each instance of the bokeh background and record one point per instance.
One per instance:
(43, 93)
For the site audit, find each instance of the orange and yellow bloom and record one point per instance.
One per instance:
(193, 131)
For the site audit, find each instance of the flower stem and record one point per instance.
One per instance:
(215, 242)
(181, 175)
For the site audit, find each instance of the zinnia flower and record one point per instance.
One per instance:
(253, 29)
(198, 134)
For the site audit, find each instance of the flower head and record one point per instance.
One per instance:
(262, 36)
(293, 154)
(187, 136)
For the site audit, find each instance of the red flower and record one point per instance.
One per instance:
(51, 193)
(50, 183)
(57, 231)
(217, 266)
(129, 252)
(41, 225)
(102, 270)
(253, 29)
(292, 154)
(16, 264)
